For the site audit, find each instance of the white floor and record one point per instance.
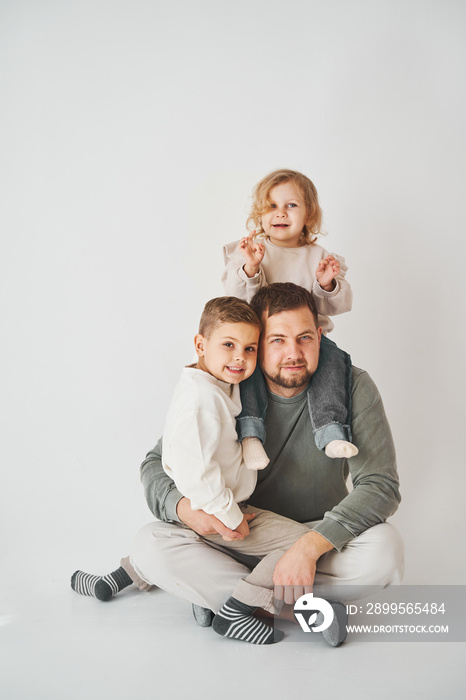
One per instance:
(57, 645)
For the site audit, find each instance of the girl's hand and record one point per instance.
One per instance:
(328, 269)
(253, 252)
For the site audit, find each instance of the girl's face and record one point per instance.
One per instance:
(284, 221)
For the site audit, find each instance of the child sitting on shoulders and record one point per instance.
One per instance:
(282, 248)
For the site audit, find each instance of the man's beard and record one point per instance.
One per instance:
(289, 382)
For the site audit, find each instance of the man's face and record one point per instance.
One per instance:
(289, 350)
(230, 352)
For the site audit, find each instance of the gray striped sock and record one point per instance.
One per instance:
(84, 583)
(101, 587)
(236, 621)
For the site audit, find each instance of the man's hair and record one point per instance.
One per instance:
(226, 310)
(261, 202)
(283, 296)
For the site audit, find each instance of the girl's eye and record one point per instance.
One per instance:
(291, 205)
(228, 345)
(251, 349)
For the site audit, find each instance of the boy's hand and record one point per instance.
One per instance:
(253, 252)
(205, 524)
(242, 529)
(326, 272)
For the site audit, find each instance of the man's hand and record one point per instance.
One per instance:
(326, 272)
(205, 524)
(295, 571)
(253, 252)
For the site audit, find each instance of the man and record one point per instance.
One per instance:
(348, 541)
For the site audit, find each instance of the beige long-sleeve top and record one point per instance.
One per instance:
(296, 265)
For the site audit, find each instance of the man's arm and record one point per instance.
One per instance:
(375, 495)
(160, 491)
(168, 504)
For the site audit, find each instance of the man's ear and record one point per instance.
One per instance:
(319, 333)
(199, 344)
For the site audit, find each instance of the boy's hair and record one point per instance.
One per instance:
(226, 310)
(261, 202)
(283, 296)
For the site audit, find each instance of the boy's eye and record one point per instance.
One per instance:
(250, 349)
(228, 344)
(277, 340)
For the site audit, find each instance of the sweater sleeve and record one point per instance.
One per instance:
(375, 495)
(236, 283)
(190, 459)
(340, 299)
(160, 491)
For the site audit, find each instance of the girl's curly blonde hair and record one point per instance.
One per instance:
(261, 202)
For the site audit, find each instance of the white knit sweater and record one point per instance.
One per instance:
(201, 452)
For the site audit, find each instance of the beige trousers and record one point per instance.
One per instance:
(207, 570)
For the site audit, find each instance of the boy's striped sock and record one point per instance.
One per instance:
(101, 587)
(235, 620)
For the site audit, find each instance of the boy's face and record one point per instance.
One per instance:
(230, 352)
(283, 223)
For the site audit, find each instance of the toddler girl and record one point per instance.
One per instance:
(282, 248)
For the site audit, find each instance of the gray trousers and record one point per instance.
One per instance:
(207, 570)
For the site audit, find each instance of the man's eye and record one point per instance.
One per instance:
(305, 337)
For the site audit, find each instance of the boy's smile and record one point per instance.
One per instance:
(284, 221)
(230, 352)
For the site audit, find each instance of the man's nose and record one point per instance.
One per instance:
(294, 351)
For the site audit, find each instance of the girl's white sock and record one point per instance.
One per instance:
(336, 449)
(254, 455)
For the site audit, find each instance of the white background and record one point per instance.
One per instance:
(132, 134)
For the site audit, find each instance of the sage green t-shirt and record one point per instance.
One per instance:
(302, 483)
